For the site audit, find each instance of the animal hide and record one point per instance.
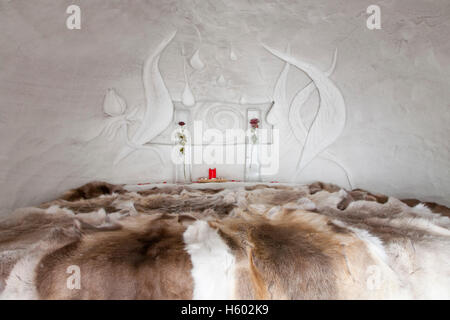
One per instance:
(314, 241)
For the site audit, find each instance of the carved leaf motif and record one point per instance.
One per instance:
(278, 113)
(330, 118)
(159, 109)
(295, 120)
(159, 106)
(187, 98)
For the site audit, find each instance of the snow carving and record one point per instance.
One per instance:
(158, 110)
(187, 98)
(221, 81)
(114, 104)
(329, 119)
(233, 56)
(313, 140)
(279, 112)
(196, 62)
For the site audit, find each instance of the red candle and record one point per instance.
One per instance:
(214, 173)
(210, 174)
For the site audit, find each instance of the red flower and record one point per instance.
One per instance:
(254, 123)
(181, 123)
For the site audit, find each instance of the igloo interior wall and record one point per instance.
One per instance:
(377, 111)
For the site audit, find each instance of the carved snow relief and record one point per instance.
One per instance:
(114, 104)
(187, 97)
(196, 62)
(329, 120)
(158, 111)
(157, 122)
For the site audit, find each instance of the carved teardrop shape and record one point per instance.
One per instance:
(188, 97)
(196, 62)
(114, 104)
(233, 55)
(221, 80)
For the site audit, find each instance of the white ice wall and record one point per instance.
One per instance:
(53, 81)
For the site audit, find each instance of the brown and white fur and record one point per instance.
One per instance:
(259, 242)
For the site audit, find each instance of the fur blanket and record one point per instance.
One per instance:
(315, 241)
